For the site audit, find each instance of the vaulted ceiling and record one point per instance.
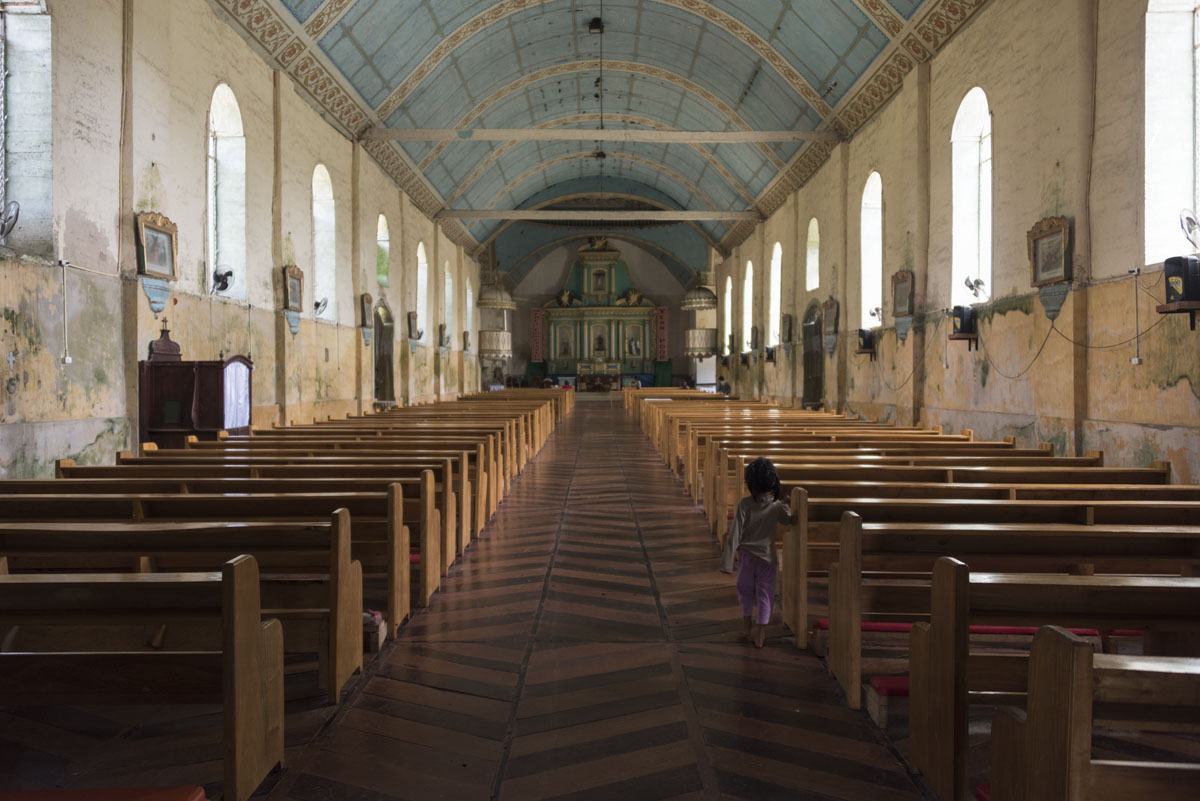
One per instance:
(669, 65)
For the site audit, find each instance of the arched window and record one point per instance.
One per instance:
(449, 303)
(226, 240)
(774, 302)
(747, 307)
(971, 201)
(1172, 105)
(871, 253)
(422, 291)
(728, 330)
(324, 245)
(383, 251)
(812, 258)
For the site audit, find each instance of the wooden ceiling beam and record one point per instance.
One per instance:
(623, 215)
(591, 135)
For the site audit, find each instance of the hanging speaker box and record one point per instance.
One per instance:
(963, 319)
(1182, 275)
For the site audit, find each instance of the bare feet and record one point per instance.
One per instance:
(760, 633)
(748, 629)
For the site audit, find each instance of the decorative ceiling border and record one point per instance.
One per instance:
(327, 16)
(589, 65)
(292, 51)
(883, 15)
(701, 8)
(479, 169)
(924, 35)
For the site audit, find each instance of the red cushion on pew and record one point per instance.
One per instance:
(890, 686)
(900, 628)
(1126, 633)
(113, 794)
(414, 558)
(983, 792)
(1027, 631)
(873, 625)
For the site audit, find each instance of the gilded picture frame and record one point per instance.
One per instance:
(1050, 251)
(157, 245)
(293, 288)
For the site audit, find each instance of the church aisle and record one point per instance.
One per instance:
(587, 648)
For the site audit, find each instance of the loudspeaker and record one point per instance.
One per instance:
(1182, 278)
(963, 319)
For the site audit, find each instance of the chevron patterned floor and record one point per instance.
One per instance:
(587, 648)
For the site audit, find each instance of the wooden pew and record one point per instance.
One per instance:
(479, 455)
(474, 485)
(702, 442)
(511, 426)
(900, 558)
(309, 582)
(701, 457)
(500, 436)
(456, 502)
(378, 528)
(1044, 752)
(243, 672)
(945, 675)
(295, 480)
(991, 469)
(819, 524)
(198, 464)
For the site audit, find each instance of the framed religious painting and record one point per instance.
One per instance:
(157, 248)
(293, 288)
(1050, 251)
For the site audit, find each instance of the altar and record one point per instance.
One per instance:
(600, 328)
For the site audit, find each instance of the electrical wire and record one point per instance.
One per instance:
(1133, 338)
(902, 384)
(987, 357)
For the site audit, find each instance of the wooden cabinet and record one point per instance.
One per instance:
(178, 398)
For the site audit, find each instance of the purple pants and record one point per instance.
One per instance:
(756, 587)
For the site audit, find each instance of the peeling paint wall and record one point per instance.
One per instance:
(166, 66)
(1073, 386)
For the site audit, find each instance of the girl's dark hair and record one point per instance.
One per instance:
(762, 477)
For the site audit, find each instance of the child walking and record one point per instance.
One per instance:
(751, 539)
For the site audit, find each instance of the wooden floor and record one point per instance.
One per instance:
(587, 648)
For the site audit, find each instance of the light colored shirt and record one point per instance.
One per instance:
(752, 530)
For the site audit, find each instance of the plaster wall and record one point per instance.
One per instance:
(164, 60)
(1056, 152)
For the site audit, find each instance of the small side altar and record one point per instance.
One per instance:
(599, 327)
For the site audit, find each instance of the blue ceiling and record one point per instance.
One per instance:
(665, 67)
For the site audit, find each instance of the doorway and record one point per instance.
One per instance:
(385, 335)
(814, 359)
